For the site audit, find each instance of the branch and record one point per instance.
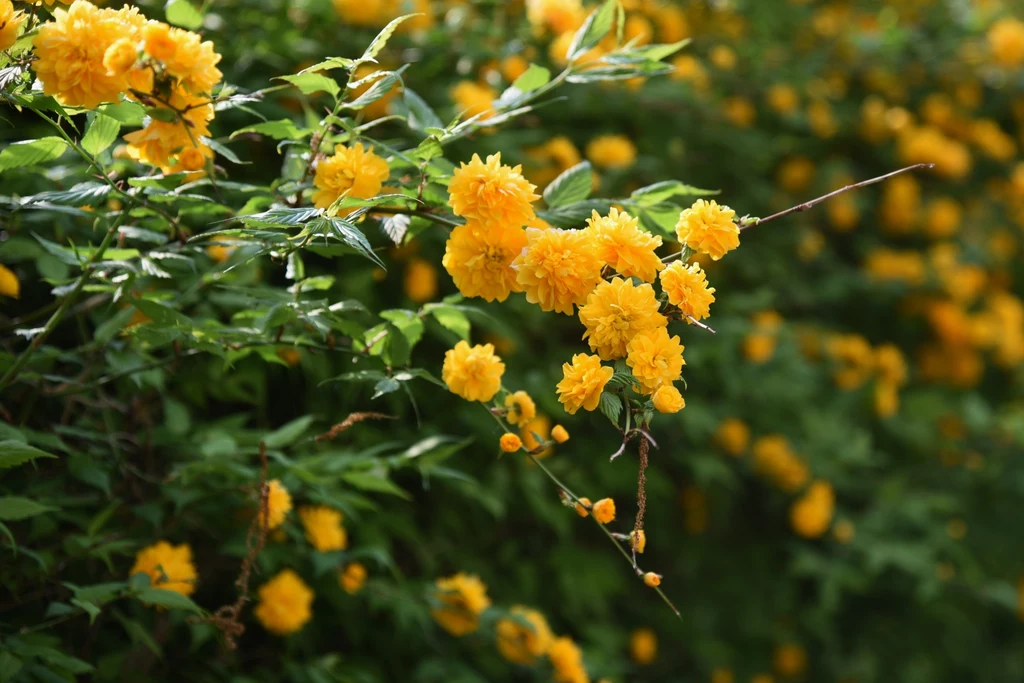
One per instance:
(751, 222)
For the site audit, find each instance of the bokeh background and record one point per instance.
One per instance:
(870, 348)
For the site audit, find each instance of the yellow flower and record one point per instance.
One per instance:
(652, 580)
(732, 436)
(558, 268)
(420, 280)
(472, 372)
(284, 605)
(362, 12)
(10, 22)
(643, 646)
(522, 643)
(461, 599)
(723, 57)
(783, 98)
(492, 194)
(789, 660)
(708, 228)
(740, 112)
(582, 383)
(521, 409)
(479, 259)
(510, 443)
(1006, 41)
(811, 514)
(559, 434)
(473, 98)
(774, 459)
(169, 567)
(567, 661)
(170, 145)
(687, 289)
(854, 359)
(795, 174)
(604, 510)
(722, 675)
(943, 218)
(120, 57)
(688, 68)
(611, 152)
(762, 678)
(624, 246)
(667, 399)
(616, 312)
(9, 283)
(352, 578)
(185, 56)
(655, 359)
(887, 399)
(541, 426)
(557, 16)
(583, 507)
(70, 51)
(350, 172)
(638, 540)
(759, 345)
(890, 364)
(221, 247)
(279, 502)
(323, 527)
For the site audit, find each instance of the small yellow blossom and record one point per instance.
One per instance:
(811, 514)
(352, 578)
(667, 399)
(559, 434)
(168, 567)
(775, 459)
(9, 283)
(583, 382)
(1006, 41)
(510, 443)
(558, 269)
(687, 289)
(540, 427)
(521, 409)
(759, 345)
(732, 436)
(473, 99)
(567, 661)
(361, 12)
(616, 312)
(643, 646)
(604, 510)
(789, 660)
(10, 22)
(709, 228)
(420, 280)
(472, 372)
(583, 507)
(522, 643)
(284, 605)
(655, 359)
(638, 540)
(557, 16)
(461, 599)
(492, 194)
(279, 502)
(624, 246)
(323, 527)
(854, 359)
(652, 580)
(611, 152)
(349, 172)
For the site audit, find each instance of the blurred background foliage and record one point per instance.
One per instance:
(874, 343)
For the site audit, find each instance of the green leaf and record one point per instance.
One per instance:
(14, 453)
(285, 129)
(162, 114)
(385, 386)
(621, 379)
(10, 665)
(222, 150)
(659, 192)
(531, 79)
(421, 116)
(98, 593)
(353, 237)
(287, 435)
(611, 406)
(183, 13)
(91, 608)
(574, 215)
(31, 152)
(101, 134)
(13, 508)
(452, 319)
(370, 481)
(571, 186)
(660, 51)
(382, 38)
(128, 113)
(378, 90)
(168, 599)
(330, 63)
(80, 195)
(593, 30)
(310, 83)
(161, 315)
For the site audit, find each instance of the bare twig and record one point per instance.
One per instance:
(337, 429)
(641, 489)
(751, 222)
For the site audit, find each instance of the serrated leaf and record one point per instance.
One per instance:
(395, 226)
(222, 150)
(310, 83)
(593, 30)
(421, 116)
(31, 152)
(574, 215)
(284, 217)
(13, 508)
(288, 434)
(82, 194)
(14, 453)
(573, 185)
(379, 483)
(353, 237)
(376, 91)
(659, 192)
(330, 63)
(184, 14)
(534, 77)
(452, 319)
(378, 43)
(611, 407)
(168, 599)
(284, 129)
(101, 134)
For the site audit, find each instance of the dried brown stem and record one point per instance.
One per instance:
(751, 222)
(337, 429)
(641, 493)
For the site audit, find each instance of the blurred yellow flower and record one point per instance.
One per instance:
(522, 643)
(844, 531)
(775, 459)
(759, 344)
(942, 218)
(615, 312)
(643, 646)
(582, 383)
(1006, 42)
(361, 12)
(541, 426)
(556, 16)
(168, 567)
(811, 514)
(461, 599)
(279, 502)
(611, 152)
(559, 434)
(284, 604)
(472, 99)
(783, 98)
(10, 22)
(352, 578)
(472, 372)
(732, 436)
(854, 360)
(323, 527)
(789, 660)
(521, 408)
(9, 284)
(739, 111)
(567, 661)
(420, 280)
(795, 174)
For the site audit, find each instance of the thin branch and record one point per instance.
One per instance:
(421, 213)
(751, 222)
(694, 321)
